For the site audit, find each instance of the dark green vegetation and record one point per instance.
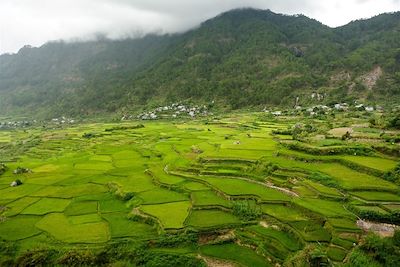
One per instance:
(241, 58)
(375, 251)
(245, 189)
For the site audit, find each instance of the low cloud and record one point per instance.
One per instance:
(35, 22)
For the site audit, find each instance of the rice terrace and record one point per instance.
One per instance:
(237, 190)
(201, 133)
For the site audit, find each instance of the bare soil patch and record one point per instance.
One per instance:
(381, 229)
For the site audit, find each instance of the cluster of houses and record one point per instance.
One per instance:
(28, 123)
(62, 120)
(16, 124)
(175, 110)
(322, 109)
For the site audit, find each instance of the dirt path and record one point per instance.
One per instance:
(373, 202)
(269, 185)
(381, 229)
(211, 262)
(284, 190)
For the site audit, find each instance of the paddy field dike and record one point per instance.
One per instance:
(236, 190)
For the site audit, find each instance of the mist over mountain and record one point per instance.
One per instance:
(241, 58)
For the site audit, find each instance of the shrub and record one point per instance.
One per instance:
(283, 132)
(88, 135)
(394, 122)
(7, 248)
(21, 170)
(78, 258)
(346, 136)
(359, 259)
(324, 179)
(119, 193)
(124, 128)
(114, 252)
(347, 150)
(390, 217)
(309, 256)
(261, 167)
(394, 175)
(3, 168)
(246, 210)
(396, 238)
(382, 250)
(160, 259)
(170, 240)
(34, 258)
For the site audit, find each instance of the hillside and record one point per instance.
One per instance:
(240, 58)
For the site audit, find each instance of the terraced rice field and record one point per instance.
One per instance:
(174, 177)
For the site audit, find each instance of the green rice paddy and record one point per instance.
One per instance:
(179, 177)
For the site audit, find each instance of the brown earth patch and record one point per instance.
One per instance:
(339, 132)
(381, 229)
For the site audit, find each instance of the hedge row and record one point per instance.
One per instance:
(339, 150)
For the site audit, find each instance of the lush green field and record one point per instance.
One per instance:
(183, 188)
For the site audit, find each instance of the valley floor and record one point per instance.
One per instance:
(232, 191)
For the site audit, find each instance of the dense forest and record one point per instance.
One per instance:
(241, 58)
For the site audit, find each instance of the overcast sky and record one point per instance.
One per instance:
(35, 22)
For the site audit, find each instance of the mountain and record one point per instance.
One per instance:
(241, 58)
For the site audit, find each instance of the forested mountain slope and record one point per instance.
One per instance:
(241, 58)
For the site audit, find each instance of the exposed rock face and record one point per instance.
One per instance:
(341, 76)
(370, 79)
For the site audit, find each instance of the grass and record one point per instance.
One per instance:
(163, 212)
(211, 219)
(46, 168)
(19, 227)
(104, 158)
(304, 191)
(19, 192)
(194, 186)
(208, 198)
(311, 231)
(66, 201)
(160, 195)
(380, 164)
(59, 227)
(336, 254)
(111, 204)
(235, 187)
(136, 183)
(283, 212)
(235, 253)
(83, 219)
(393, 207)
(165, 178)
(81, 208)
(344, 224)
(377, 196)
(324, 207)
(120, 226)
(351, 179)
(371, 208)
(347, 244)
(94, 166)
(16, 207)
(322, 189)
(70, 191)
(283, 237)
(47, 205)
